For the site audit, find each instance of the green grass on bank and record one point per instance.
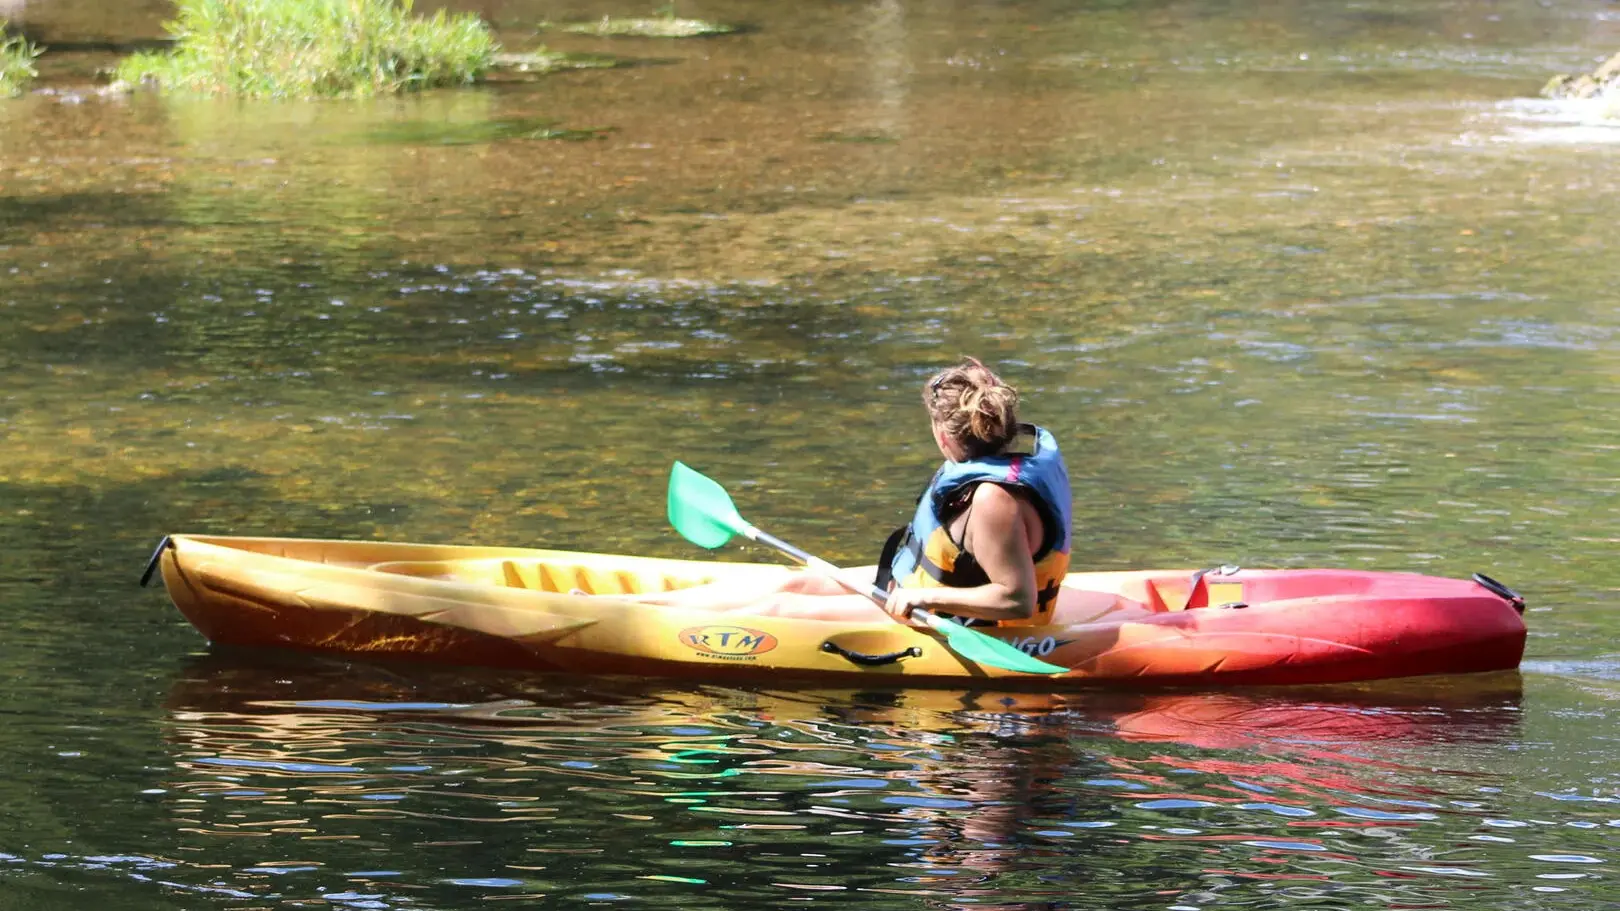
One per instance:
(313, 48)
(16, 62)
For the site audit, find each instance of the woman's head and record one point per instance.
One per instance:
(972, 408)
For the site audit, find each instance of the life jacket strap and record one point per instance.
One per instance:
(885, 574)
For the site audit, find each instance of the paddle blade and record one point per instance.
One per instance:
(701, 510)
(976, 646)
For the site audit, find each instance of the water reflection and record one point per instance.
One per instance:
(429, 782)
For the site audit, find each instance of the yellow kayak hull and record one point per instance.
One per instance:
(577, 612)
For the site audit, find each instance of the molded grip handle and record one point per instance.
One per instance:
(866, 660)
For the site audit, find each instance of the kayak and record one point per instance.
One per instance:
(587, 613)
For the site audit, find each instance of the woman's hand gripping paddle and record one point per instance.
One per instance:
(702, 511)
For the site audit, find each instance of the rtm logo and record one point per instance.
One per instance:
(728, 641)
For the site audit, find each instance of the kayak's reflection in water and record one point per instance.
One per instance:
(931, 791)
(1019, 756)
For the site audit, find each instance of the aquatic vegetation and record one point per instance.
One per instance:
(664, 25)
(423, 132)
(313, 48)
(857, 138)
(542, 61)
(16, 62)
(1603, 82)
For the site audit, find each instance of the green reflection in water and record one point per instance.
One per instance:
(480, 131)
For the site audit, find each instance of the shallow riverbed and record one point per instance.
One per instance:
(1293, 284)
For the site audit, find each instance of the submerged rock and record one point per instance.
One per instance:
(79, 94)
(1605, 80)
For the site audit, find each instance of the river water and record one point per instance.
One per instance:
(1294, 284)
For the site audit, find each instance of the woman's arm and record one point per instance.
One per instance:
(1002, 532)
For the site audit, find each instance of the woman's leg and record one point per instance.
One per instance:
(802, 595)
(837, 604)
(732, 595)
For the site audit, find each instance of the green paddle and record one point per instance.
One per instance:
(702, 511)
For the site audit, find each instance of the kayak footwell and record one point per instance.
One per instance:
(600, 614)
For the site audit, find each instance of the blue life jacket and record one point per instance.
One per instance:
(922, 554)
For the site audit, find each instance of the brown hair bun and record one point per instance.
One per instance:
(973, 406)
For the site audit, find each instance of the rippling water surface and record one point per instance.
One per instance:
(1293, 284)
(287, 781)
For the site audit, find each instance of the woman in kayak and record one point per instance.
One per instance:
(990, 538)
(989, 542)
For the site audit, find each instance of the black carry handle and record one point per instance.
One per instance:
(866, 660)
(152, 564)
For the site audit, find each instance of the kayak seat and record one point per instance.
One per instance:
(540, 575)
(423, 569)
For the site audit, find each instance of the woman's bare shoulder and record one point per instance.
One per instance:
(1006, 508)
(996, 501)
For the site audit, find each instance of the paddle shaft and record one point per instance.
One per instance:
(830, 571)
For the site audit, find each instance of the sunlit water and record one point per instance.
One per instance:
(1293, 285)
